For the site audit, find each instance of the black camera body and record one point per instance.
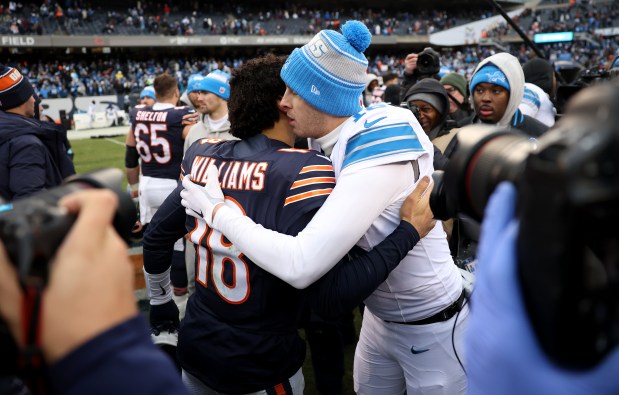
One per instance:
(428, 62)
(33, 228)
(568, 208)
(413, 108)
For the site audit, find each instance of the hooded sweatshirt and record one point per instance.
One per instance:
(435, 88)
(510, 66)
(432, 86)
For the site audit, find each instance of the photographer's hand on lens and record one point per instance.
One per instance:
(90, 286)
(203, 202)
(503, 354)
(410, 63)
(416, 208)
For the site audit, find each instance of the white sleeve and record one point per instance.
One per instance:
(358, 198)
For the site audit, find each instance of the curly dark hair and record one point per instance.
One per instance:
(255, 88)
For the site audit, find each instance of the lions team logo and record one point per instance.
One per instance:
(318, 48)
(495, 77)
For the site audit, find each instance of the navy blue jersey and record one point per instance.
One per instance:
(243, 320)
(159, 139)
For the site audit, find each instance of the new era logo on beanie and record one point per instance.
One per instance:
(15, 89)
(329, 72)
(216, 82)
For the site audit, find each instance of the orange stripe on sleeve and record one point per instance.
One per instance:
(279, 389)
(299, 150)
(307, 195)
(307, 169)
(314, 180)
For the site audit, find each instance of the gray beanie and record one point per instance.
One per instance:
(429, 98)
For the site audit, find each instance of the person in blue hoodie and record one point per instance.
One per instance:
(33, 154)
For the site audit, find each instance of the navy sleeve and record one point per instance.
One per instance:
(120, 361)
(351, 281)
(27, 166)
(440, 161)
(167, 226)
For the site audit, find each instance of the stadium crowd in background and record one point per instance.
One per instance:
(490, 81)
(115, 76)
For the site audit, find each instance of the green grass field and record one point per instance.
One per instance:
(92, 154)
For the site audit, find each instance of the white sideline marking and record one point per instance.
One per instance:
(114, 141)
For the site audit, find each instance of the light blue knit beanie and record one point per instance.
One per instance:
(490, 74)
(192, 82)
(329, 72)
(216, 82)
(148, 91)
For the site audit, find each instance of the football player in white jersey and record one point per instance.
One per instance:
(410, 338)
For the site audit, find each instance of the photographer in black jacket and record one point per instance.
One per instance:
(425, 64)
(33, 154)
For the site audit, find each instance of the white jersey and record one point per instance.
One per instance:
(427, 280)
(536, 104)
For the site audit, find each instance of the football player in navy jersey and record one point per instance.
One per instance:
(239, 334)
(155, 147)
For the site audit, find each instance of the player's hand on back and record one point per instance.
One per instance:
(416, 208)
(191, 118)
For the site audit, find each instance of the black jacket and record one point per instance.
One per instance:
(524, 123)
(444, 125)
(33, 156)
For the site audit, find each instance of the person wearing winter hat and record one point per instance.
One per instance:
(153, 156)
(147, 96)
(210, 96)
(33, 154)
(540, 88)
(536, 104)
(540, 72)
(379, 154)
(372, 84)
(455, 85)
(429, 99)
(187, 99)
(497, 89)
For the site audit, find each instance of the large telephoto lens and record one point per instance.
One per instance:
(486, 155)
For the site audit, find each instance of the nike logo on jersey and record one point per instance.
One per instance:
(369, 124)
(418, 350)
(162, 290)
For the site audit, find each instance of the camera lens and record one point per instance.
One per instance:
(486, 155)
